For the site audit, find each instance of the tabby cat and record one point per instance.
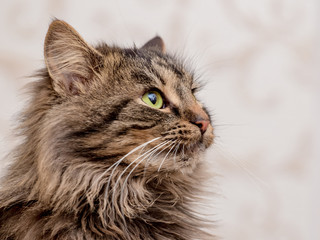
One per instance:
(112, 145)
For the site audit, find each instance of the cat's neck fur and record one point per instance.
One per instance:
(162, 204)
(66, 180)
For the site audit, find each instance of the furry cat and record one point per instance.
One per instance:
(112, 146)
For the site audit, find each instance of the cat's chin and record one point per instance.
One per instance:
(187, 159)
(187, 165)
(190, 160)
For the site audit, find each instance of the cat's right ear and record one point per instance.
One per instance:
(71, 62)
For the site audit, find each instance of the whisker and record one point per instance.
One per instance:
(150, 156)
(257, 180)
(183, 150)
(173, 143)
(118, 180)
(229, 125)
(116, 164)
(176, 150)
(160, 152)
(141, 150)
(153, 150)
(126, 179)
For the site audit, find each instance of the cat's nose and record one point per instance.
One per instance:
(199, 117)
(202, 124)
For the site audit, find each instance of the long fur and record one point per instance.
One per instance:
(95, 162)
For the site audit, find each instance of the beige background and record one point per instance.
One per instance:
(260, 59)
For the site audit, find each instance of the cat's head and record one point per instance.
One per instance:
(136, 105)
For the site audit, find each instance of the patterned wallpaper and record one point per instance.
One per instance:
(260, 61)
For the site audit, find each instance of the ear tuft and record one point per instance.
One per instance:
(155, 43)
(71, 62)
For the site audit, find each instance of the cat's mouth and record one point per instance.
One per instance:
(172, 151)
(183, 153)
(186, 149)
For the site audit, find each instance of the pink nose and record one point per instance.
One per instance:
(202, 124)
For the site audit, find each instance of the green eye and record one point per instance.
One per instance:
(153, 99)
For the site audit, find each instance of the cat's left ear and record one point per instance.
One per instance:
(71, 62)
(155, 43)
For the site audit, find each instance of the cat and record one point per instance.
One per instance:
(112, 146)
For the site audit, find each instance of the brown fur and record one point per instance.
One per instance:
(85, 114)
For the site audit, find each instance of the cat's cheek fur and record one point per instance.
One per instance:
(80, 172)
(208, 137)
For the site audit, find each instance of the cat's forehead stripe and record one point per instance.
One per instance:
(167, 72)
(171, 67)
(158, 76)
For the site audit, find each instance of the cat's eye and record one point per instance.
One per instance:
(153, 99)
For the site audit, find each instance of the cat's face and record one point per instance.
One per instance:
(132, 105)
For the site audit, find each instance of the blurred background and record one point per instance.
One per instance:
(260, 61)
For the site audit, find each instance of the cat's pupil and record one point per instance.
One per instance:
(152, 97)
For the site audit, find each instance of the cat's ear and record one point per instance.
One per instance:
(71, 62)
(155, 43)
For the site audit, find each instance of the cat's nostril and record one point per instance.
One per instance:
(202, 124)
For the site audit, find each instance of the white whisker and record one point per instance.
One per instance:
(150, 156)
(116, 164)
(257, 180)
(173, 143)
(118, 180)
(150, 153)
(183, 150)
(159, 152)
(175, 152)
(126, 179)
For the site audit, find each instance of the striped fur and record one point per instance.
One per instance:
(98, 163)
